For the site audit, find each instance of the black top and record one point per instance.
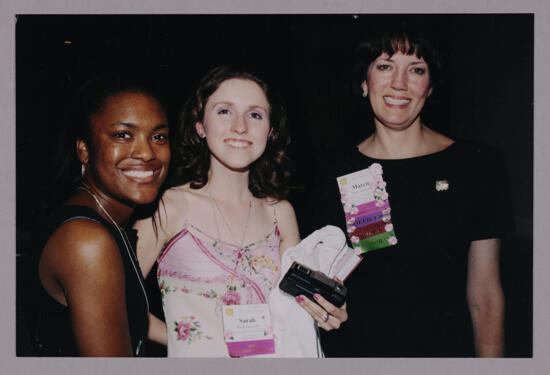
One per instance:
(410, 299)
(54, 335)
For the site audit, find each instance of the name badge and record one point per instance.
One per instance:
(247, 330)
(367, 208)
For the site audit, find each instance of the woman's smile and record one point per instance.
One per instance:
(396, 101)
(237, 143)
(142, 175)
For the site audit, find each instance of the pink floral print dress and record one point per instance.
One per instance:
(197, 275)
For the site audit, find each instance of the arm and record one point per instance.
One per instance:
(485, 297)
(82, 262)
(290, 236)
(157, 330)
(288, 226)
(149, 246)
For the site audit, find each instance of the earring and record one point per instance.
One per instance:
(82, 170)
(365, 94)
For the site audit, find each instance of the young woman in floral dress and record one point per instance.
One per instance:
(219, 233)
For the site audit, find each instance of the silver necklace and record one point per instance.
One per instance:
(126, 243)
(241, 247)
(241, 243)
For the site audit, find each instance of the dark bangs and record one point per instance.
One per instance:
(408, 42)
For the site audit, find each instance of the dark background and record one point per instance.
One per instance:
(487, 96)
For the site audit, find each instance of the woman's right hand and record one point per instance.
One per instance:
(327, 315)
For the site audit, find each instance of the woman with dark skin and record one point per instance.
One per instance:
(94, 302)
(437, 292)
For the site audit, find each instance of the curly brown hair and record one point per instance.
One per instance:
(269, 175)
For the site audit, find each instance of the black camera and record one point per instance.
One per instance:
(300, 279)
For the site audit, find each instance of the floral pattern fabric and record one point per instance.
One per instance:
(197, 277)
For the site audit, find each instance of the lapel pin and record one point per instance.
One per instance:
(441, 185)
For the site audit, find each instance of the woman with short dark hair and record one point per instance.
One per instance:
(435, 289)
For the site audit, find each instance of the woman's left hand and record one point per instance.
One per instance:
(327, 315)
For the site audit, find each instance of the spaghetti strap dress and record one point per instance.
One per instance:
(198, 274)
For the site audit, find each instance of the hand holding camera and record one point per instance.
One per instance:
(330, 310)
(302, 280)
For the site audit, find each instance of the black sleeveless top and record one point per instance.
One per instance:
(54, 336)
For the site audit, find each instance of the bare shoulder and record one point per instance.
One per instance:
(172, 201)
(283, 209)
(81, 246)
(82, 268)
(287, 224)
(165, 217)
(181, 197)
(174, 193)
